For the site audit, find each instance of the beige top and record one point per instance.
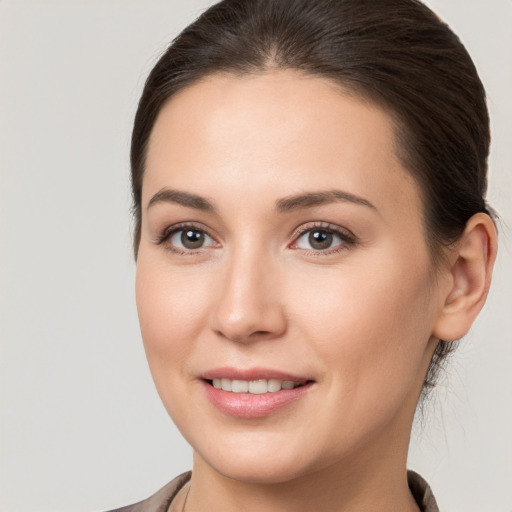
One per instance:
(161, 500)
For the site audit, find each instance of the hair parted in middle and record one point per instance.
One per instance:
(395, 53)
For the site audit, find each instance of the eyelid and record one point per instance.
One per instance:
(163, 236)
(347, 237)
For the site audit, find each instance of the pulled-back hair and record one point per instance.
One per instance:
(396, 53)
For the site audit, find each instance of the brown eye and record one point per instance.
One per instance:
(324, 239)
(192, 239)
(189, 239)
(320, 240)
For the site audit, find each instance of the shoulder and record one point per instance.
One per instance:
(160, 501)
(422, 492)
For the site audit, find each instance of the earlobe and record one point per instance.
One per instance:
(470, 278)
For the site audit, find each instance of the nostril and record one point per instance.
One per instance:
(259, 333)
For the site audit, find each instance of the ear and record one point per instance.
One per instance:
(470, 272)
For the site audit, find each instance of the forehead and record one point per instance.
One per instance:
(276, 133)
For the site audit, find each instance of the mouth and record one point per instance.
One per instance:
(255, 387)
(254, 393)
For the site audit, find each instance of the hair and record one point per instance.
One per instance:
(396, 53)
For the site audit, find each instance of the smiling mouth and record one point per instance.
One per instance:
(255, 387)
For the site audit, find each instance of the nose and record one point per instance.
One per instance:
(248, 306)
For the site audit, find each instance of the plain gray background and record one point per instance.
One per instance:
(82, 428)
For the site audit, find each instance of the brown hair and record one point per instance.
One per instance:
(397, 53)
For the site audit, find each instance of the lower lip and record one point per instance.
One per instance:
(248, 405)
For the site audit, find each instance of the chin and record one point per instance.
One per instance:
(271, 470)
(257, 457)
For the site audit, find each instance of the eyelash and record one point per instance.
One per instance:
(168, 232)
(347, 238)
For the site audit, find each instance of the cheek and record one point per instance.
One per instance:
(370, 324)
(171, 306)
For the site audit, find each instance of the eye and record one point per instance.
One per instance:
(318, 239)
(189, 239)
(185, 239)
(324, 239)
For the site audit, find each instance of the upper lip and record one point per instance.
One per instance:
(249, 374)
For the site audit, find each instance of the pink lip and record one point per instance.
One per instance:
(247, 405)
(256, 373)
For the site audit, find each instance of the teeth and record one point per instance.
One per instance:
(255, 387)
(239, 386)
(273, 385)
(225, 384)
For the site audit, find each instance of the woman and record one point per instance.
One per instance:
(311, 238)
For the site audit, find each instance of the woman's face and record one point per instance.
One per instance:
(282, 241)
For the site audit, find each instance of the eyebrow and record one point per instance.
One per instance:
(187, 199)
(284, 205)
(311, 199)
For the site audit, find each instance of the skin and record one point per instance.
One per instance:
(361, 319)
